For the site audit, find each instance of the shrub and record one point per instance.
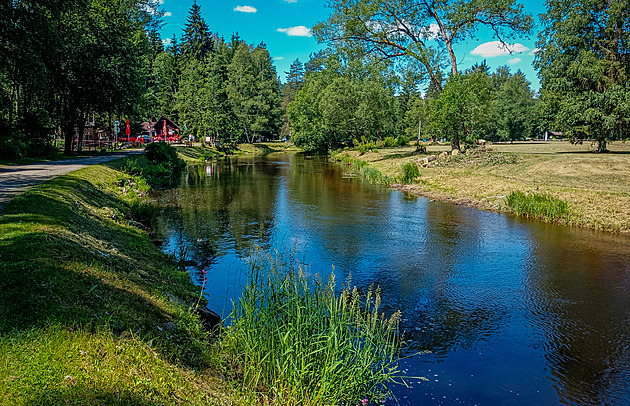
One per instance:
(410, 172)
(160, 152)
(401, 141)
(389, 142)
(540, 205)
(297, 342)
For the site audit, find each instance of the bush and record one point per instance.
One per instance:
(410, 172)
(160, 152)
(537, 205)
(401, 141)
(297, 342)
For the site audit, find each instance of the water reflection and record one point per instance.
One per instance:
(513, 312)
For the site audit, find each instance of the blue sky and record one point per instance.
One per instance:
(284, 25)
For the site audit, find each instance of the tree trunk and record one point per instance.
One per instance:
(455, 144)
(247, 135)
(68, 135)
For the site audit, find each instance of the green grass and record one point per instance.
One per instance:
(92, 313)
(298, 343)
(78, 274)
(410, 172)
(539, 205)
(361, 168)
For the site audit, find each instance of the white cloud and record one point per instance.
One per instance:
(245, 9)
(299, 31)
(167, 42)
(291, 1)
(431, 31)
(497, 48)
(514, 61)
(160, 1)
(168, 14)
(278, 58)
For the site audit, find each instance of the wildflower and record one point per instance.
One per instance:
(364, 402)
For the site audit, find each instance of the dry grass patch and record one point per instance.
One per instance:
(594, 185)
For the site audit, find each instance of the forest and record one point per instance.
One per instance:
(386, 75)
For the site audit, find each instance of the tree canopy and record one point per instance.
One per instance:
(584, 63)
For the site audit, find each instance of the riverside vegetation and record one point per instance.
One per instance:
(554, 181)
(91, 312)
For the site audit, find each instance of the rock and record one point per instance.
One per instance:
(455, 152)
(169, 326)
(443, 155)
(208, 318)
(430, 158)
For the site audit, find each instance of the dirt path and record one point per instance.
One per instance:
(16, 179)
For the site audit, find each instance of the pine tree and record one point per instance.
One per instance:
(197, 39)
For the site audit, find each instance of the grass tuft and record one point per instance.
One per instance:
(296, 342)
(539, 205)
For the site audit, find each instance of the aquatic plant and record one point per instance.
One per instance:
(295, 341)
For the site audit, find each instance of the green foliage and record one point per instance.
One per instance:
(353, 22)
(400, 141)
(584, 63)
(410, 172)
(462, 110)
(298, 342)
(537, 205)
(161, 152)
(514, 108)
(163, 168)
(64, 61)
(339, 104)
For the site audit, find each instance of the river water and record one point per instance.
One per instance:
(496, 310)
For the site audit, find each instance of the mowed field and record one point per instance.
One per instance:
(596, 186)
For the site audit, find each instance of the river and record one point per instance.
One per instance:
(496, 310)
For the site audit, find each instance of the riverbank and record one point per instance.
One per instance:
(594, 185)
(91, 312)
(199, 152)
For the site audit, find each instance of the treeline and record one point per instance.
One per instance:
(227, 90)
(64, 63)
(583, 58)
(348, 102)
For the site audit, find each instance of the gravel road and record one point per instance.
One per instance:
(16, 179)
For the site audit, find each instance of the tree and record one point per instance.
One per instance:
(514, 107)
(253, 91)
(405, 28)
(197, 39)
(340, 104)
(584, 63)
(462, 110)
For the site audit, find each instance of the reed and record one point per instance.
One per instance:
(294, 341)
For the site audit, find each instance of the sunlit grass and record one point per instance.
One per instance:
(538, 205)
(297, 342)
(593, 185)
(91, 312)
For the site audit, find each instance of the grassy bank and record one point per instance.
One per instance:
(91, 312)
(593, 186)
(201, 153)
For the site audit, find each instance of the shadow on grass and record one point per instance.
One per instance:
(68, 256)
(82, 395)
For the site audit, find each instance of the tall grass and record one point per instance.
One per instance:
(410, 172)
(296, 342)
(540, 205)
